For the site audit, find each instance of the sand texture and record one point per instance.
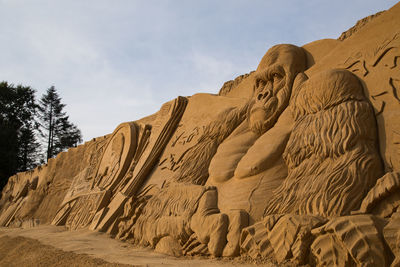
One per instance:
(56, 246)
(295, 163)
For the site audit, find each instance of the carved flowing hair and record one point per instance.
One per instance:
(168, 212)
(332, 153)
(197, 159)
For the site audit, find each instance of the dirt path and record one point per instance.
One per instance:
(54, 246)
(22, 251)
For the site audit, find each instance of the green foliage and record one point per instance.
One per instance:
(18, 143)
(56, 128)
(23, 121)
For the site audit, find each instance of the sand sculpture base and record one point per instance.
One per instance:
(297, 162)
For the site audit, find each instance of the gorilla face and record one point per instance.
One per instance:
(268, 85)
(271, 92)
(273, 84)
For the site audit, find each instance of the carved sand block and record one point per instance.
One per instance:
(85, 207)
(349, 240)
(379, 68)
(190, 221)
(372, 53)
(248, 164)
(200, 121)
(162, 128)
(8, 214)
(298, 161)
(384, 198)
(20, 193)
(391, 233)
(151, 148)
(332, 149)
(116, 157)
(87, 195)
(280, 237)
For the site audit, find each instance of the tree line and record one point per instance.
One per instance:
(31, 130)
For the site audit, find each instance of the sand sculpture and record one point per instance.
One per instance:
(297, 161)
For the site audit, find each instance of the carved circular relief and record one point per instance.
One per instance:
(116, 157)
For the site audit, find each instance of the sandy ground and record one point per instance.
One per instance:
(56, 246)
(22, 251)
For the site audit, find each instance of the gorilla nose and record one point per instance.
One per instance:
(264, 95)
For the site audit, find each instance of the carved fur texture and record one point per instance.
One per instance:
(197, 159)
(168, 213)
(332, 153)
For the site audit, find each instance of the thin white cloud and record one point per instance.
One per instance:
(119, 61)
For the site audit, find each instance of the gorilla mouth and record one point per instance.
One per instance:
(271, 105)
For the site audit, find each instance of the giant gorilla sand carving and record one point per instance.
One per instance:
(332, 152)
(297, 161)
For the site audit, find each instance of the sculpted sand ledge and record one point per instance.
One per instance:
(297, 161)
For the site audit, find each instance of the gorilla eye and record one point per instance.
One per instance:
(277, 77)
(259, 83)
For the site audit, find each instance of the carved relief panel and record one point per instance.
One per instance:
(379, 68)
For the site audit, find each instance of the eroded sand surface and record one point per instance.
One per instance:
(56, 246)
(23, 251)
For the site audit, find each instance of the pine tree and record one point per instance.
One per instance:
(58, 132)
(29, 148)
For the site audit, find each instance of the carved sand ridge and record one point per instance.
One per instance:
(296, 162)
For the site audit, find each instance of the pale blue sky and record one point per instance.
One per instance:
(117, 61)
